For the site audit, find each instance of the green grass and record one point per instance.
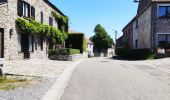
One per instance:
(151, 57)
(12, 83)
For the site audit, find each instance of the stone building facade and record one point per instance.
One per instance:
(12, 40)
(128, 36)
(151, 25)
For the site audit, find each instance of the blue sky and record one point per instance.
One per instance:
(84, 15)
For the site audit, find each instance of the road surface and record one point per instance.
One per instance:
(108, 79)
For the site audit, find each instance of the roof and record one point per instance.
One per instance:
(88, 41)
(160, 0)
(130, 22)
(74, 32)
(53, 6)
(144, 8)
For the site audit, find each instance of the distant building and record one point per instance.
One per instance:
(119, 42)
(90, 46)
(150, 28)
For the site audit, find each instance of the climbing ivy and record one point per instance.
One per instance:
(33, 27)
(63, 20)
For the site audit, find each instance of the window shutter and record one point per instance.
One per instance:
(42, 17)
(33, 12)
(28, 10)
(50, 21)
(20, 8)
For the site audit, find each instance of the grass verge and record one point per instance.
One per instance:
(10, 83)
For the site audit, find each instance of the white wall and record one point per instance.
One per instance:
(90, 49)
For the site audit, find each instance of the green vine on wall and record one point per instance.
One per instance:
(33, 27)
(63, 20)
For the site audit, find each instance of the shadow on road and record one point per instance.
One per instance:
(118, 58)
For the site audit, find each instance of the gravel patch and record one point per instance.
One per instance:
(33, 91)
(44, 73)
(35, 67)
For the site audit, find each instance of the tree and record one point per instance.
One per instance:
(102, 41)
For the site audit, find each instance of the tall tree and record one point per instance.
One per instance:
(102, 41)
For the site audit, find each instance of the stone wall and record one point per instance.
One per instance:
(67, 57)
(128, 36)
(8, 15)
(135, 34)
(144, 29)
(160, 25)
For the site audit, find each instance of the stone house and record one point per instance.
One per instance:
(119, 42)
(15, 45)
(128, 36)
(151, 25)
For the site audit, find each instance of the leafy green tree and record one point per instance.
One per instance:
(102, 41)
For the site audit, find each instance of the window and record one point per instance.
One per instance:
(24, 43)
(136, 44)
(164, 11)
(26, 9)
(136, 23)
(20, 8)
(42, 17)
(32, 12)
(50, 21)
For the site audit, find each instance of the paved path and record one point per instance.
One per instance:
(105, 79)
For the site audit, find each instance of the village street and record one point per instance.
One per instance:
(108, 79)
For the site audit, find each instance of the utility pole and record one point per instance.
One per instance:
(115, 36)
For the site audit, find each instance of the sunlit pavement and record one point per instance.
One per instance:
(108, 79)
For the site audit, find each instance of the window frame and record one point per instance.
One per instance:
(26, 11)
(33, 12)
(166, 12)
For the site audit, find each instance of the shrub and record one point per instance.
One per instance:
(67, 51)
(135, 54)
(73, 51)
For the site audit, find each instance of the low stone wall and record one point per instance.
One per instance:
(67, 57)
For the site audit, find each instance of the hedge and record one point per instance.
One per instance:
(67, 51)
(33, 27)
(134, 54)
(76, 41)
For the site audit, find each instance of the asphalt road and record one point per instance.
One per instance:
(106, 79)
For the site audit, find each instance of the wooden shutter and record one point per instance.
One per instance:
(50, 21)
(33, 12)
(20, 8)
(42, 17)
(29, 10)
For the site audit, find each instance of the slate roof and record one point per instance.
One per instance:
(160, 0)
(54, 7)
(88, 41)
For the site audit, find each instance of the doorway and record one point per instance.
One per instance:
(25, 45)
